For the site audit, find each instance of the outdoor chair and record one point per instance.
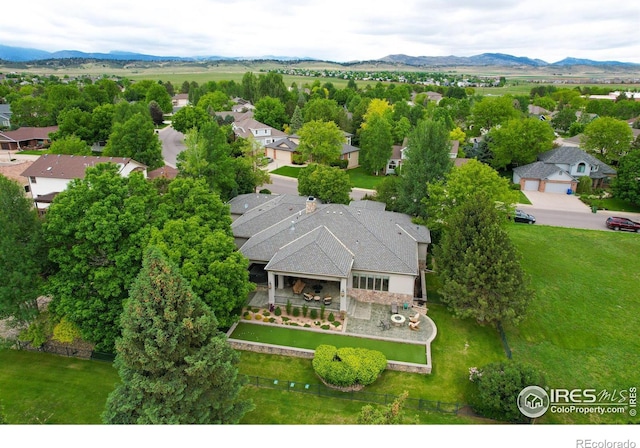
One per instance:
(414, 325)
(415, 318)
(308, 297)
(394, 308)
(384, 325)
(298, 286)
(327, 300)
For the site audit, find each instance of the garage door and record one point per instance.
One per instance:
(531, 185)
(552, 187)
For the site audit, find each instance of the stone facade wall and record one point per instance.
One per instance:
(381, 297)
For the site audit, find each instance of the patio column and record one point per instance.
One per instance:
(271, 287)
(343, 294)
(280, 281)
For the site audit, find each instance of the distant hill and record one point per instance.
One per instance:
(18, 54)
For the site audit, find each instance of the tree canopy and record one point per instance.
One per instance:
(519, 141)
(607, 138)
(136, 138)
(626, 184)
(22, 253)
(175, 366)
(97, 229)
(327, 183)
(376, 144)
(479, 267)
(321, 141)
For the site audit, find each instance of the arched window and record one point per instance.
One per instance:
(581, 167)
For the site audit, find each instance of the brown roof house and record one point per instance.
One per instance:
(26, 138)
(51, 173)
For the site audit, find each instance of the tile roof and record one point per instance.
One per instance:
(58, 166)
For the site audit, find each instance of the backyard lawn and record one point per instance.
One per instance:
(359, 178)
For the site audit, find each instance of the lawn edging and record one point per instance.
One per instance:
(272, 349)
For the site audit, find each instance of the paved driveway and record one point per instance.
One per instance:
(556, 201)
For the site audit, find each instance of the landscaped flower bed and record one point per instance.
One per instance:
(296, 317)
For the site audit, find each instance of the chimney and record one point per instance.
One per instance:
(311, 205)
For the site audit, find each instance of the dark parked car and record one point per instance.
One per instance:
(617, 223)
(520, 216)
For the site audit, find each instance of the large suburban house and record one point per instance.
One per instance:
(26, 138)
(283, 149)
(367, 253)
(246, 126)
(51, 173)
(559, 170)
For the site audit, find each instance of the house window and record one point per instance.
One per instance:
(581, 167)
(32, 179)
(371, 282)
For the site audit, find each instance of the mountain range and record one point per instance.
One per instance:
(19, 54)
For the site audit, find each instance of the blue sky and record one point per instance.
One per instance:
(337, 30)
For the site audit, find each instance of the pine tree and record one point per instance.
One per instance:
(479, 266)
(175, 367)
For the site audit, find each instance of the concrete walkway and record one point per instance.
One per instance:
(556, 201)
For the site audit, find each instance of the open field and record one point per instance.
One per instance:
(581, 331)
(520, 80)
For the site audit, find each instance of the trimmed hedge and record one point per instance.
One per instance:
(348, 366)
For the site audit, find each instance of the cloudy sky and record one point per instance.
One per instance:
(336, 30)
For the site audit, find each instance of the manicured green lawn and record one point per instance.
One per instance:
(523, 199)
(289, 171)
(612, 204)
(582, 326)
(361, 179)
(43, 388)
(289, 337)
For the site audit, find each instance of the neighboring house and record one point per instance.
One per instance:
(434, 96)
(180, 100)
(5, 115)
(168, 172)
(241, 105)
(283, 149)
(14, 172)
(246, 126)
(559, 170)
(539, 112)
(26, 138)
(398, 155)
(370, 254)
(51, 173)
(351, 154)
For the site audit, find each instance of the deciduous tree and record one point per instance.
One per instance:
(71, 145)
(607, 138)
(327, 183)
(175, 366)
(427, 161)
(626, 184)
(519, 141)
(491, 111)
(97, 229)
(376, 144)
(189, 117)
(270, 111)
(22, 253)
(159, 94)
(136, 138)
(321, 141)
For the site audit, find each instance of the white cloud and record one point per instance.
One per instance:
(339, 30)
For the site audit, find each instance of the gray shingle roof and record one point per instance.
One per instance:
(317, 252)
(380, 241)
(536, 170)
(370, 205)
(284, 144)
(268, 213)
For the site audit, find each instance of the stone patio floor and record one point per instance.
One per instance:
(362, 318)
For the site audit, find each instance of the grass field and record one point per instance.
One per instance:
(359, 178)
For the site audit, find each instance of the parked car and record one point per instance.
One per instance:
(618, 223)
(520, 216)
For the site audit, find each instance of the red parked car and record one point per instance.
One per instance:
(617, 223)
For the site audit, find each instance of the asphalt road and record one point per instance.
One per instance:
(172, 144)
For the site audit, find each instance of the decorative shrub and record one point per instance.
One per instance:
(298, 159)
(266, 313)
(66, 331)
(296, 311)
(257, 316)
(294, 324)
(272, 319)
(348, 366)
(307, 326)
(38, 331)
(314, 313)
(265, 191)
(305, 310)
(265, 319)
(325, 327)
(277, 311)
(247, 316)
(322, 311)
(336, 323)
(288, 307)
(331, 318)
(285, 319)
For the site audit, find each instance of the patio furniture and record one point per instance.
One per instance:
(327, 300)
(394, 308)
(298, 286)
(414, 325)
(308, 297)
(384, 325)
(316, 299)
(415, 318)
(398, 320)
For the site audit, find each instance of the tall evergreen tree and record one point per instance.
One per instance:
(427, 161)
(479, 266)
(297, 120)
(175, 366)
